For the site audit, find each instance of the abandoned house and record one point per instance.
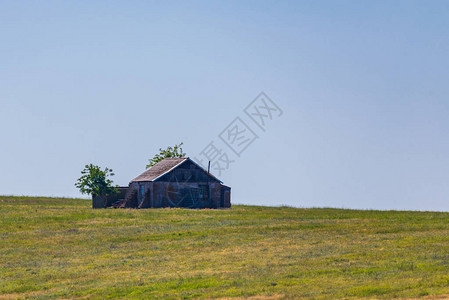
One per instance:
(172, 182)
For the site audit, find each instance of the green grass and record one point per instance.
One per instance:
(61, 248)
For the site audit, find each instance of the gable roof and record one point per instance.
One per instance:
(165, 166)
(161, 168)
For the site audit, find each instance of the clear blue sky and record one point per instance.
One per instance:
(363, 86)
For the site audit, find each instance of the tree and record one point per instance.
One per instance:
(95, 182)
(175, 151)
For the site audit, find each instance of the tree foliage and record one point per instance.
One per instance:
(175, 151)
(95, 181)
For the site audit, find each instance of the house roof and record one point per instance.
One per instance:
(164, 166)
(161, 168)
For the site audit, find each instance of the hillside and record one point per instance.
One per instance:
(61, 248)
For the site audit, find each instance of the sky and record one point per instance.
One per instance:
(358, 95)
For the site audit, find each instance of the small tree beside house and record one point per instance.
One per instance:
(94, 181)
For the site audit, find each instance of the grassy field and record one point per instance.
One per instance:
(61, 248)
